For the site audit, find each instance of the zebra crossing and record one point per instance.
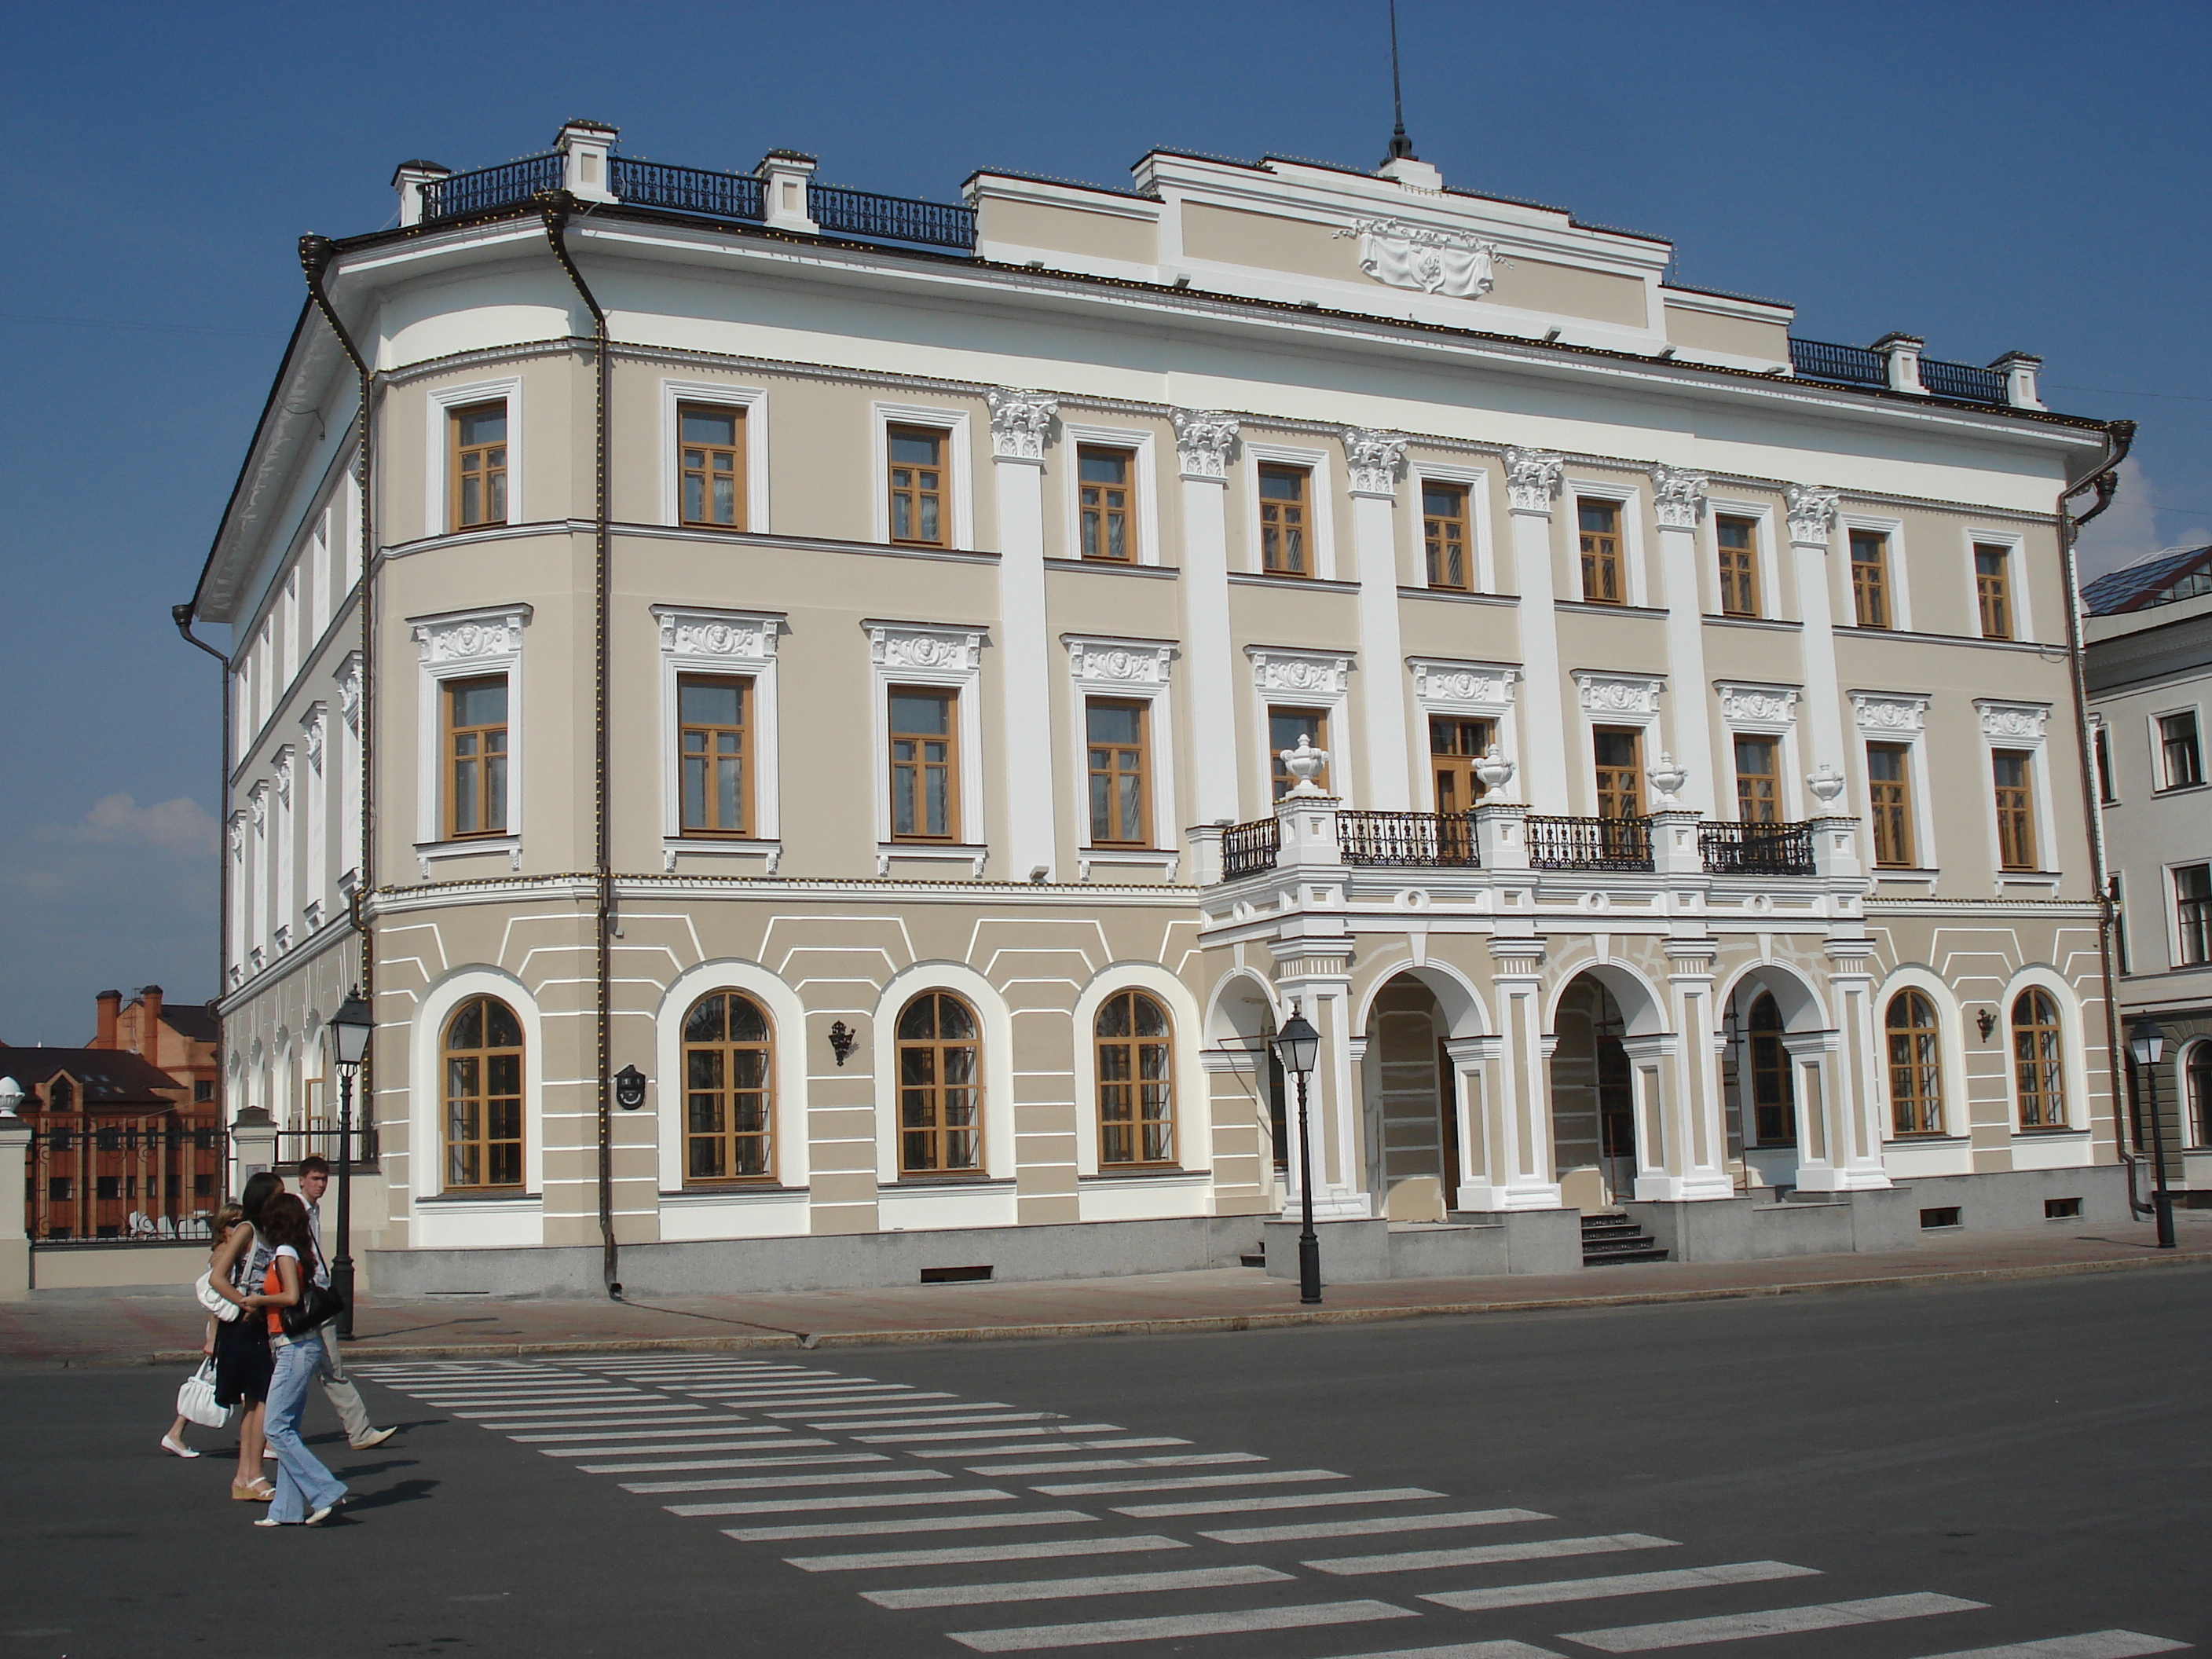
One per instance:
(858, 1475)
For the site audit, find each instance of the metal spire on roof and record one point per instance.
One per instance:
(1401, 147)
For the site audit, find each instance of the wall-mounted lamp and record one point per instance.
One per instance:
(1987, 1021)
(842, 1039)
(629, 1088)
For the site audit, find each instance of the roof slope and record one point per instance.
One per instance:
(108, 1077)
(2160, 580)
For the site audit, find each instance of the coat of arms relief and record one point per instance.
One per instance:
(1452, 262)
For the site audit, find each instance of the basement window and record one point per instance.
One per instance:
(955, 1275)
(2062, 1209)
(1945, 1216)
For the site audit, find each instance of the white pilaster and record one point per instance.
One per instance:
(1474, 1063)
(785, 175)
(1518, 1172)
(1203, 440)
(1679, 500)
(1374, 459)
(315, 729)
(587, 174)
(1691, 1144)
(1020, 420)
(1812, 518)
(1532, 478)
(353, 832)
(1854, 1105)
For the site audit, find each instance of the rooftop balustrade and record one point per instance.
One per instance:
(1850, 365)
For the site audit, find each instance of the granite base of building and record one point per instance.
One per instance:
(1468, 1244)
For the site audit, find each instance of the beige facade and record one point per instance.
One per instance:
(1550, 1001)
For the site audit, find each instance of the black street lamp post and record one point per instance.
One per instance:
(350, 1031)
(2147, 1043)
(1296, 1045)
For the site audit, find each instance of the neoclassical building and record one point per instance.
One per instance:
(831, 728)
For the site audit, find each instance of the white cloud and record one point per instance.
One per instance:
(181, 826)
(2132, 527)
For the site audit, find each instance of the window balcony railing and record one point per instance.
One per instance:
(1438, 840)
(1558, 844)
(1247, 849)
(1756, 849)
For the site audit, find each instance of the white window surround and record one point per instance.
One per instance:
(1320, 503)
(1189, 1098)
(426, 1100)
(1128, 671)
(739, 645)
(2172, 901)
(1894, 567)
(2072, 1062)
(959, 475)
(438, 433)
(1950, 1049)
(1619, 700)
(944, 656)
(753, 400)
(2016, 726)
(1753, 708)
(2160, 782)
(1770, 560)
(996, 1026)
(1476, 482)
(2195, 1118)
(465, 645)
(1630, 499)
(1075, 434)
(788, 1145)
(1469, 690)
(2015, 546)
(1288, 678)
(1897, 717)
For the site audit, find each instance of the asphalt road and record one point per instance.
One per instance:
(2037, 1448)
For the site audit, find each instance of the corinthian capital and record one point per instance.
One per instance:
(1374, 458)
(1532, 478)
(1203, 439)
(1812, 513)
(1020, 420)
(1679, 497)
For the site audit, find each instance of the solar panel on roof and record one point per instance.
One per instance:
(2146, 582)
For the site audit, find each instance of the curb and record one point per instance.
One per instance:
(1197, 1325)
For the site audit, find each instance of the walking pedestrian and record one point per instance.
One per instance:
(338, 1387)
(243, 1359)
(306, 1492)
(218, 1230)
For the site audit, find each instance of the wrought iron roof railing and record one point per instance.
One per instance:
(685, 190)
(1823, 360)
(1560, 844)
(1962, 381)
(491, 187)
(1439, 840)
(1756, 849)
(896, 218)
(1248, 848)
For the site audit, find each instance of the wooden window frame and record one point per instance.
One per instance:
(1455, 766)
(2015, 808)
(1273, 537)
(1603, 552)
(1898, 814)
(935, 1088)
(1769, 1061)
(726, 1139)
(748, 704)
(451, 761)
(2170, 747)
(1913, 1052)
(1746, 800)
(1107, 512)
(1126, 1074)
(1279, 779)
(1993, 591)
(456, 455)
(1870, 585)
(1114, 772)
(739, 454)
(2192, 916)
(1740, 594)
(1638, 794)
(894, 430)
(482, 1143)
(2039, 1074)
(919, 768)
(1443, 533)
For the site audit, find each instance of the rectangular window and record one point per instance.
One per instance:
(1285, 727)
(479, 466)
(2102, 744)
(1620, 751)
(2015, 808)
(1104, 480)
(2120, 925)
(1739, 549)
(714, 476)
(1889, 801)
(202, 1089)
(1121, 811)
(1993, 589)
(475, 757)
(1759, 780)
(1285, 537)
(713, 748)
(2178, 745)
(1443, 537)
(1454, 745)
(920, 514)
(1600, 547)
(925, 764)
(1870, 577)
(2193, 912)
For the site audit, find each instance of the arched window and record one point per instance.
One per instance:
(1916, 1064)
(728, 1051)
(482, 1056)
(1773, 1097)
(2037, 1057)
(940, 1072)
(1136, 1101)
(2197, 1090)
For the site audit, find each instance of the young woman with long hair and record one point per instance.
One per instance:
(218, 1230)
(243, 1362)
(306, 1492)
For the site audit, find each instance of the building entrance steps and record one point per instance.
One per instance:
(1613, 1237)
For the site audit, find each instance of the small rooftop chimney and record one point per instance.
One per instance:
(149, 1023)
(409, 179)
(587, 177)
(110, 1004)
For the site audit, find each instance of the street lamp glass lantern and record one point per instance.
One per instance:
(349, 1030)
(2147, 1043)
(1298, 1045)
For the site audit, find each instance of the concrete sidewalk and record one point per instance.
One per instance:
(79, 1329)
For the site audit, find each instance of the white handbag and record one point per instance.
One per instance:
(214, 1301)
(196, 1399)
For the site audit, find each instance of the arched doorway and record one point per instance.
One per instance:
(1411, 1119)
(1242, 1025)
(1760, 1086)
(1593, 1098)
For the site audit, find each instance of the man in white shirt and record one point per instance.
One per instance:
(337, 1387)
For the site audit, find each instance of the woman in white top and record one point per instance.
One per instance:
(306, 1492)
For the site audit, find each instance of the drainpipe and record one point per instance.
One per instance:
(182, 616)
(557, 206)
(2105, 480)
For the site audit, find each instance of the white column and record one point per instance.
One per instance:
(1520, 1173)
(1475, 1068)
(1374, 458)
(352, 831)
(1531, 480)
(1854, 1104)
(1020, 423)
(235, 921)
(258, 933)
(1693, 1129)
(1679, 498)
(1202, 444)
(315, 878)
(284, 907)
(1812, 515)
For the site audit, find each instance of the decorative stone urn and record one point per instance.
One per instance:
(1303, 763)
(1827, 784)
(1494, 770)
(1667, 779)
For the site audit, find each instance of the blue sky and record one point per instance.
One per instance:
(1991, 177)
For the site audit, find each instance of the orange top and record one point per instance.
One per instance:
(272, 1284)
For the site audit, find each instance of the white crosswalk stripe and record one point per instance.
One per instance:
(2097, 1644)
(1097, 1633)
(732, 1463)
(1182, 1482)
(1359, 1525)
(1077, 1465)
(1772, 1621)
(871, 1501)
(891, 1526)
(766, 1482)
(1625, 1584)
(1058, 1589)
(970, 1555)
(1302, 1500)
(1484, 1554)
(1032, 1449)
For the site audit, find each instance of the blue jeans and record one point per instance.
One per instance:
(303, 1484)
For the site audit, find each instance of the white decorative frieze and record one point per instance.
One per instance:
(1103, 662)
(314, 725)
(1020, 423)
(1532, 478)
(1619, 694)
(281, 765)
(1811, 514)
(1320, 674)
(258, 804)
(1203, 440)
(2019, 722)
(1463, 688)
(1889, 712)
(237, 826)
(1751, 707)
(1677, 497)
(1373, 459)
(1457, 262)
(735, 637)
(481, 635)
(349, 692)
(918, 646)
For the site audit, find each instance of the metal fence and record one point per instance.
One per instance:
(492, 187)
(896, 218)
(1558, 844)
(322, 1139)
(1437, 839)
(144, 1182)
(1823, 360)
(1963, 381)
(686, 189)
(1756, 849)
(1248, 848)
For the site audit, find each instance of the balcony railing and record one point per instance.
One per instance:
(1248, 848)
(491, 187)
(1756, 849)
(1850, 365)
(1556, 844)
(686, 189)
(1963, 381)
(896, 218)
(1440, 840)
